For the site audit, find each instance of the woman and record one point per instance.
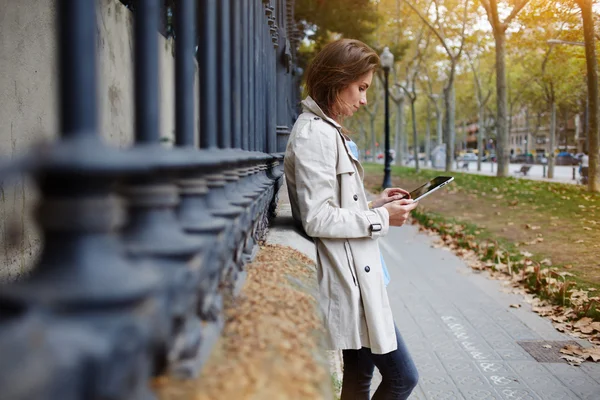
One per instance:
(327, 196)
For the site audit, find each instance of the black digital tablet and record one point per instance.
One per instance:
(430, 187)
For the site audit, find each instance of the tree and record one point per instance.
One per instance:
(434, 98)
(483, 93)
(592, 84)
(548, 76)
(439, 28)
(499, 28)
(409, 87)
(322, 21)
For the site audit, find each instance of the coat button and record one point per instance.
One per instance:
(355, 197)
(367, 268)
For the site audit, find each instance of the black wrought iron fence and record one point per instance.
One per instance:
(141, 245)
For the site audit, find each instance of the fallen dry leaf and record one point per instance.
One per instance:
(572, 360)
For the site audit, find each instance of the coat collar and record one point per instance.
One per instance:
(309, 104)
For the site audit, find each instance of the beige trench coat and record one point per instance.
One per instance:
(328, 198)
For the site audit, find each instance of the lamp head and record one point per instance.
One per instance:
(387, 59)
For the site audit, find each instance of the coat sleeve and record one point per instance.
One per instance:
(316, 184)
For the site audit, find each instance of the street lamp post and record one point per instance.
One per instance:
(387, 62)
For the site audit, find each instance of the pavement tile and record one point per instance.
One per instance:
(436, 382)
(588, 392)
(490, 331)
(553, 393)
(503, 344)
(452, 355)
(484, 356)
(494, 367)
(506, 381)
(518, 394)
(470, 393)
(527, 367)
(514, 354)
(424, 356)
(470, 380)
(446, 394)
(428, 368)
(483, 323)
(542, 381)
(460, 367)
(592, 370)
(446, 345)
(582, 385)
(564, 369)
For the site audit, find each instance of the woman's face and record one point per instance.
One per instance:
(354, 95)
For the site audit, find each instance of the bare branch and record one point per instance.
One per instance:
(395, 98)
(410, 95)
(462, 33)
(437, 18)
(475, 75)
(488, 96)
(495, 20)
(485, 4)
(518, 7)
(426, 21)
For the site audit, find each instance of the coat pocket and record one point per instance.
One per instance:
(350, 261)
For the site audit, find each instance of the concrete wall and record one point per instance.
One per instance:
(29, 103)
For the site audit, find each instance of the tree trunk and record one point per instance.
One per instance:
(552, 139)
(527, 141)
(415, 140)
(592, 81)
(480, 135)
(363, 139)
(373, 139)
(502, 152)
(428, 136)
(449, 132)
(405, 138)
(439, 125)
(399, 142)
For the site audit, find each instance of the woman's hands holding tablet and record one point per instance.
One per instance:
(399, 210)
(388, 195)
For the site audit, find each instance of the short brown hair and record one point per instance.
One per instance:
(335, 67)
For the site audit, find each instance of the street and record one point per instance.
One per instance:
(562, 173)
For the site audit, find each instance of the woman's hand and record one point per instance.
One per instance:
(388, 195)
(399, 210)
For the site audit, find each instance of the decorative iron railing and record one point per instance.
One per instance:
(141, 245)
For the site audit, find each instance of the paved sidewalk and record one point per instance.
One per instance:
(463, 335)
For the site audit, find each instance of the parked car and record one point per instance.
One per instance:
(468, 157)
(489, 157)
(566, 158)
(541, 159)
(523, 158)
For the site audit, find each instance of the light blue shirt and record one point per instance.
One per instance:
(386, 275)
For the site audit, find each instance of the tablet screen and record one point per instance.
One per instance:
(430, 186)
